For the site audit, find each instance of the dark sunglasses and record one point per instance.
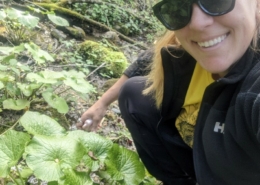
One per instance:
(176, 14)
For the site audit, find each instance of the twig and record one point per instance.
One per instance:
(102, 65)
(70, 65)
(5, 125)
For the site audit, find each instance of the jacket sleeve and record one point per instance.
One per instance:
(140, 67)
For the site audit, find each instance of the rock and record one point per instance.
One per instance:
(58, 34)
(76, 32)
(112, 36)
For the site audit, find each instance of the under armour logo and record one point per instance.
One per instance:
(219, 128)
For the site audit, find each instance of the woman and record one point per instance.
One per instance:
(195, 119)
(91, 118)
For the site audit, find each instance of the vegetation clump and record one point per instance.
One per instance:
(51, 154)
(114, 62)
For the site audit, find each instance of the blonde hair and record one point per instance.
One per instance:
(155, 79)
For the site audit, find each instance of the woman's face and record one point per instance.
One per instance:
(218, 42)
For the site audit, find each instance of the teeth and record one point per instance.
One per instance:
(212, 42)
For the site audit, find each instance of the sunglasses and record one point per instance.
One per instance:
(176, 14)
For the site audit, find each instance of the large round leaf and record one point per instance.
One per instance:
(79, 85)
(97, 147)
(58, 20)
(72, 177)
(46, 77)
(27, 89)
(48, 156)
(13, 104)
(39, 124)
(125, 166)
(12, 145)
(23, 17)
(93, 142)
(56, 102)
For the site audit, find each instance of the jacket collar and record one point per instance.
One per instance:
(241, 68)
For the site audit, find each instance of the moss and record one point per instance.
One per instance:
(116, 62)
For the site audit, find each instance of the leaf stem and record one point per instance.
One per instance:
(16, 182)
(16, 167)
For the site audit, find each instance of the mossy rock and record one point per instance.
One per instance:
(116, 61)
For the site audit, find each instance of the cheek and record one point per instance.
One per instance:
(182, 36)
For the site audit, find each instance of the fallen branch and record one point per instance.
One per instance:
(65, 2)
(67, 12)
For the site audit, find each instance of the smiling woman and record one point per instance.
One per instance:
(195, 117)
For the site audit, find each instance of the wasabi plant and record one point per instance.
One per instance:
(48, 152)
(18, 25)
(20, 86)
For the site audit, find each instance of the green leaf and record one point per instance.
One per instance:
(6, 50)
(12, 145)
(19, 104)
(39, 124)
(53, 183)
(24, 18)
(39, 55)
(2, 15)
(48, 156)
(56, 102)
(72, 177)
(94, 142)
(23, 67)
(3, 68)
(76, 80)
(26, 172)
(79, 85)
(74, 74)
(1, 85)
(9, 58)
(47, 77)
(124, 165)
(46, 55)
(58, 20)
(18, 49)
(27, 89)
(6, 78)
(13, 61)
(96, 145)
(15, 70)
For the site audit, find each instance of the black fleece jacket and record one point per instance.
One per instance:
(226, 147)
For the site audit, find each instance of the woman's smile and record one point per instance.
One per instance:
(212, 42)
(217, 42)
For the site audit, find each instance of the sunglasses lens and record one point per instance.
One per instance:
(175, 15)
(217, 7)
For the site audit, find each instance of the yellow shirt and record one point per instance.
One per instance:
(186, 120)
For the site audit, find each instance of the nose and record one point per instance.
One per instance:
(199, 19)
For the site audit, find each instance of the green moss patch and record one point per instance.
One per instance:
(115, 62)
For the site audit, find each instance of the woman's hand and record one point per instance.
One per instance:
(91, 119)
